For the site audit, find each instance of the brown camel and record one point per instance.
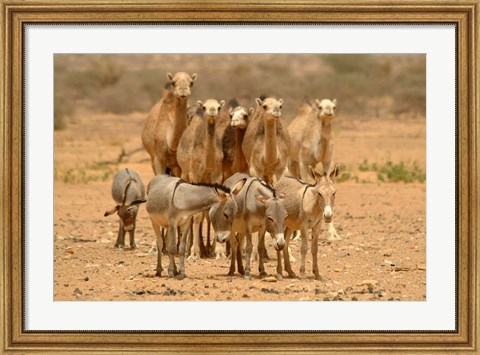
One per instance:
(165, 124)
(231, 130)
(266, 143)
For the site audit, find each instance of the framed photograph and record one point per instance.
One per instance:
(375, 112)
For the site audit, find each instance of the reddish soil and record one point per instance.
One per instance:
(381, 256)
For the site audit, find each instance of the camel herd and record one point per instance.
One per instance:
(242, 170)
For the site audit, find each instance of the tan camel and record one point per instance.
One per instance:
(200, 157)
(165, 124)
(231, 129)
(311, 136)
(266, 143)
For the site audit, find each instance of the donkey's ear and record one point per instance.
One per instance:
(261, 199)
(315, 174)
(238, 186)
(335, 172)
(136, 202)
(222, 196)
(251, 110)
(169, 76)
(194, 76)
(259, 101)
(112, 211)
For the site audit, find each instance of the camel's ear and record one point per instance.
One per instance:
(239, 186)
(200, 104)
(335, 172)
(112, 211)
(222, 196)
(194, 76)
(334, 101)
(281, 101)
(136, 202)
(251, 110)
(259, 101)
(314, 174)
(261, 199)
(230, 112)
(222, 103)
(169, 76)
(318, 102)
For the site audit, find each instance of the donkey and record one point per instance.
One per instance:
(172, 202)
(306, 206)
(127, 191)
(260, 209)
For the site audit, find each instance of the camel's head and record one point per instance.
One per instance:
(239, 116)
(271, 106)
(211, 109)
(275, 216)
(325, 190)
(326, 108)
(181, 84)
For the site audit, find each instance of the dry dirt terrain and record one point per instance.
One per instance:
(381, 256)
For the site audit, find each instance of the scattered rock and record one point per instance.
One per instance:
(77, 292)
(421, 266)
(245, 295)
(368, 282)
(269, 279)
(337, 269)
(318, 291)
(86, 278)
(92, 265)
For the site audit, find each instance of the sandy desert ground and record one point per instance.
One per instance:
(381, 257)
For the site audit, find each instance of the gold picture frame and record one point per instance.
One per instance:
(463, 14)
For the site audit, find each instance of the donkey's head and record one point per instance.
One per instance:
(224, 211)
(127, 213)
(239, 116)
(325, 191)
(326, 108)
(181, 84)
(275, 215)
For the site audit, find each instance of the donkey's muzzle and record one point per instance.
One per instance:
(279, 242)
(223, 237)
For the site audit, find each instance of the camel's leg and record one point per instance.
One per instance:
(294, 168)
(286, 253)
(332, 232)
(159, 166)
(120, 243)
(195, 254)
(233, 257)
(209, 245)
(315, 234)
(304, 175)
(181, 250)
(172, 231)
(132, 237)
(156, 229)
(248, 254)
(303, 250)
(261, 253)
(189, 240)
(239, 252)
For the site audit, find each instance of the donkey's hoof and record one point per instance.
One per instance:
(247, 277)
(231, 273)
(302, 277)
(292, 275)
(318, 277)
(193, 257)
(279, 277)
(263, 274)
(133, 246)
(180, 276)
(158, 273)
(171, 274)
(241, 271)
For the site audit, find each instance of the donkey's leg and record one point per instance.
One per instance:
(286, 253)
(233, 256)
(255, 237)
(303, 250)
(332, 232)
(132, 237)
(315, 234)
(279, 275)
(248, 254)
(261, 253)
(239, 252)
(172, 231)
(120, 243)
(181, 250)
(159, 241)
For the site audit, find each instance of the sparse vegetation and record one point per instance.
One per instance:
(77, 175)
(395, 172)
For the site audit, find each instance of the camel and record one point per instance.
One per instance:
(200, 157)
(306, 206)
(266, 143)
(171, 203)
(231, 128)
(165, 124)
(311, 138)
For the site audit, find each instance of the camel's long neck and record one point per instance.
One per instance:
(270, 138)
(326, 128)
(239, 158)
(210, 153)
(179, 122)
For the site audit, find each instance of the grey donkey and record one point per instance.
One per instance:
(260, 209)
(171, 204)
(307, 205)
(127, 191)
